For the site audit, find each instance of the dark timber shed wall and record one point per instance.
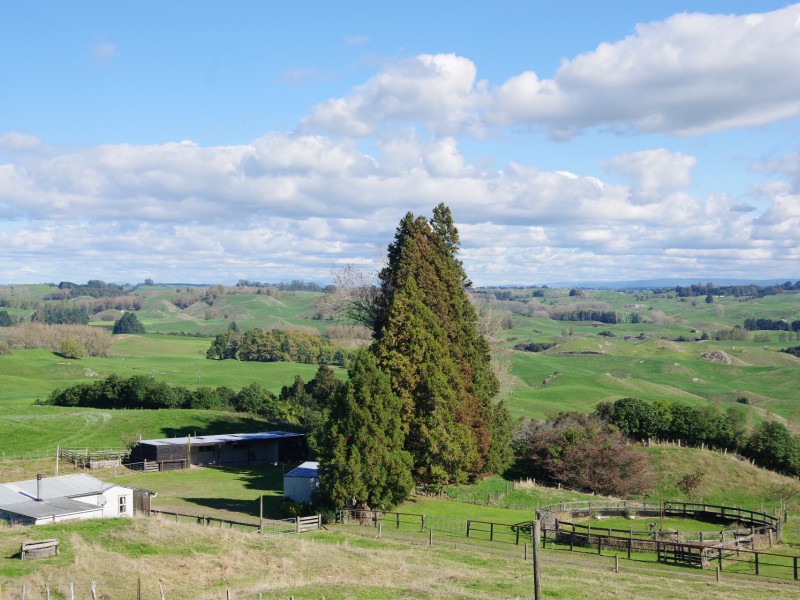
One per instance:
(159, 452)
(206, 451)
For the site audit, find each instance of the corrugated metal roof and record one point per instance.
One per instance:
(307, 469)
(8, 496)
(228, 438)
(65, 486)
(47, 508)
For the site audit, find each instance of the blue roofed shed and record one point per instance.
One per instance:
(300, 483)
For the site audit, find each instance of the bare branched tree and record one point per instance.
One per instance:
(351, 297)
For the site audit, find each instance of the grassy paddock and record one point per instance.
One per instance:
(203, 563)
(226, 493)
(28, 375)
(642, 524)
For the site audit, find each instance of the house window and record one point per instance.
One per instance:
(123, 505)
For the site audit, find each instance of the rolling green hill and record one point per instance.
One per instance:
(590, 362)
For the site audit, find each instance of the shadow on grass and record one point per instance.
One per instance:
(230, 423)
(243, 507)
(264, 479)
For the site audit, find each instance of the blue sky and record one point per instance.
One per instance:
(210, 141)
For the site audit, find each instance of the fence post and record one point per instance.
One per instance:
(430, 537)
(469, 524)
(616, 563)
(491, 532)
(537, 578)
(719, 558)
(756, 563)
(795, 567)
(398, 520)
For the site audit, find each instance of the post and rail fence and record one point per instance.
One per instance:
(738, 550)
(265, 526)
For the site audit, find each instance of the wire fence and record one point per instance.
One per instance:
(729, 555)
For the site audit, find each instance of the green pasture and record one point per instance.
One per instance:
(229, 493)
(42, 428)
(580, 372)
(29, 375)
(277, 311)
(642, 524)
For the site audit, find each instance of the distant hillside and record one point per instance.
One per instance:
(662, 283)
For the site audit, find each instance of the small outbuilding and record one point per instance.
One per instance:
(232, 449)
(68, 497)
(300, 483)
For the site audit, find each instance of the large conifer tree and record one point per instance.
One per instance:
(426, 340)
(362, 460)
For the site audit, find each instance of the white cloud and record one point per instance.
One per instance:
(654, 173)
(290, 206)
(438, 90)
(787, 166)
(687, 75)
(19, 142)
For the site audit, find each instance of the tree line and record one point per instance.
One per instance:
(587, 314)
(94, 288)
(296, 285)
(276, 345)
(769, 444)
(737, 291)
(754, 324)
(300, 404)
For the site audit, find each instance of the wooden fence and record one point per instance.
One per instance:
(154, 466)
(730, 553)
(93, 458)
(502, 533)
(755, 528)
(265, 526)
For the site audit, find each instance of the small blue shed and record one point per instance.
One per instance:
(300, 483)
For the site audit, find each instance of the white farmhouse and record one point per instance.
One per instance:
(68, 497)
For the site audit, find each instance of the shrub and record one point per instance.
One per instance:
(71, 348)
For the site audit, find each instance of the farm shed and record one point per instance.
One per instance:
(300, 483)
(221, 450)
(56, 499)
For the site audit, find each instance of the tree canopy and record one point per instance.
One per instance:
(362, 460)
(427, 342)
(128, 323)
